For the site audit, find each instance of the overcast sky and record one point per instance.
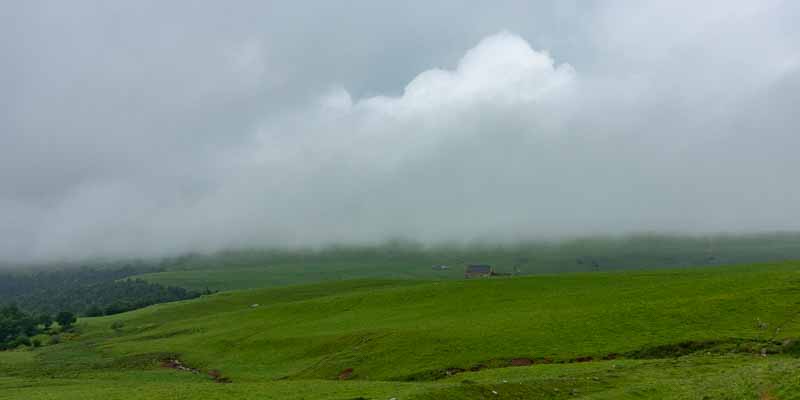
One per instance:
(142, 127)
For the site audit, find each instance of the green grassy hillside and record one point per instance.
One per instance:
(656, 334)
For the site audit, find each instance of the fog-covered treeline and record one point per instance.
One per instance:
(85, 291)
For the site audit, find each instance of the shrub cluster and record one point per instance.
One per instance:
(17, 328)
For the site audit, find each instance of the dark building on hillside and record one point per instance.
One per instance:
(478, 271)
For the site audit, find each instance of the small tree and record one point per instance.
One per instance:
(65, 319)
(46, 320)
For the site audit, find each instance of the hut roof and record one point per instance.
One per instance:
(479, 268)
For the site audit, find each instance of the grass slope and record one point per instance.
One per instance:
(399, 337)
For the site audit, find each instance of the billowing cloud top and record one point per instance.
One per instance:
(199, 139)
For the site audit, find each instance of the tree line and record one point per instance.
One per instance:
(18, 328)
(85, 291)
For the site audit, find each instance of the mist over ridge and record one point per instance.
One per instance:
(636, 118)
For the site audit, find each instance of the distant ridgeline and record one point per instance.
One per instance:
(582, 254)
(85, 291)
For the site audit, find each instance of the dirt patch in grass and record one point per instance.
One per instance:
(174, 362)
(345, 374)
(766, 395)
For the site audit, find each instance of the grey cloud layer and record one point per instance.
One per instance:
(151, 129)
